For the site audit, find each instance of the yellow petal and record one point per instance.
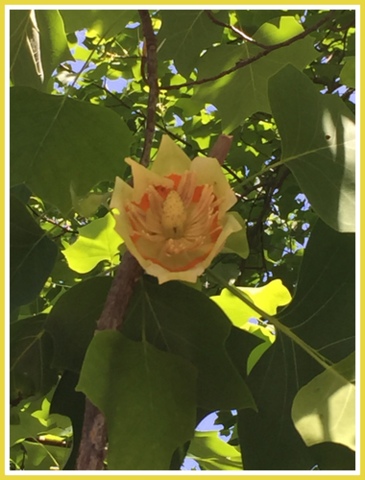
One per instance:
(170, 158)
(142, 178)
(209, 171)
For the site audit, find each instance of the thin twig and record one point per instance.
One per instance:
(151, 64)
(235, 30)
(248, 61)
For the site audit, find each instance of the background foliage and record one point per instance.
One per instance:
(265, 342)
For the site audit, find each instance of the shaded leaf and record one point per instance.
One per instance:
(38, 45)
(322, 315)
(58, 143)
(244, 92)
(183, 321)
(146, 395)
(324, 409)
(53, 43)
(72, 321)
(318, 145)
(30, 358)
(347, 75)
(32, 255)
(97, 242)
(66, 401)
(183, 38)
(213, 453)
(105, 23)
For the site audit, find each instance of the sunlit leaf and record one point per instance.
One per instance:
(244, 92)
(318, 145)
(145, 394)
(269, 297)
(97, 242)
(57, 143)
(213, 453)
(324, 409)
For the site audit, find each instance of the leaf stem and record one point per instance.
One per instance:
(323, 361)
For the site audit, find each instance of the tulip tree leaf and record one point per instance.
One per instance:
(32, 255)
(269, 297)
(58, 144)
(97, 242)
(318, 145)
(38, 44)
(72, 321)
(105, 23)
(146, 395)
(183, 41)
(324, 409)
(347, 75)
(213, 453)
(30, 357)
(322, 315)
(244, 92)
(183, 321)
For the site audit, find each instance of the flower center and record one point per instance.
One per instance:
(173, 215)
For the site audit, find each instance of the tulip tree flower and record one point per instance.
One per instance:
(174, 219)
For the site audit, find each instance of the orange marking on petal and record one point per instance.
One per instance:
(144, 204)
(197, 193)
(163, 191)
(175, 178)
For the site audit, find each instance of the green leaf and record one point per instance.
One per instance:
(32, 255)
(38, 45)
(66, 401)
(72, 321)
(106, 23)
(347, 75)
(53, 42)
(183, 321)
(268, 298)
(30, 358)
(183, 38)
(58, 143)
(244, 92)
(322, 315)
(324, 409)
(237, 242)
(213, 453)
(147, 397)
(318, 145)
(97, 242)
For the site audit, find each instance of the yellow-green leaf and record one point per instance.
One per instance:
(97, 242)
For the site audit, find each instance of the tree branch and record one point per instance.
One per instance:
(94, 432)
(248, 61)
(151, 63)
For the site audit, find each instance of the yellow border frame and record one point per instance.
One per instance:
(3, 259)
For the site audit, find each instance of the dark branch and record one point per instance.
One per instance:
(151, 64)
(248, 61)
